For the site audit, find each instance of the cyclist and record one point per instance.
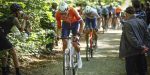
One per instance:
(99, 11)
(68, 19)
(5, 44)
(91, 16)
(111, 10)
(118, 11)
(105, 15)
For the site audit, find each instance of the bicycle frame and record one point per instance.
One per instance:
(70, 59)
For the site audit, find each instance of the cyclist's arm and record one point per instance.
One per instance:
(58, 20)
(96, 14)
(80, 20)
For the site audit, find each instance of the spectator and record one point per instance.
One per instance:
(132, 45)
(5, 44)
(148, 13)
(139, 9)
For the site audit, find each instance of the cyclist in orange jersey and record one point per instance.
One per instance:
(68, 19)
(117, 17)
(118, 11)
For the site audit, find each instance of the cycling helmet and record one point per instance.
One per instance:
(63, 7)
(88, 9)
(15, 7)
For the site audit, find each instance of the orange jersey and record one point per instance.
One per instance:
(71, 17)
(118, 10)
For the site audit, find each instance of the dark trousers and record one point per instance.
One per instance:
(136, 65)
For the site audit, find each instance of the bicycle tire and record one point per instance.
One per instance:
(87, 49)
(91, 52)
(75, 67)
(87, 53)
(64, 61)
(68, 70)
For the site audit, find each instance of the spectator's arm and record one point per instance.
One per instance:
(17, 23)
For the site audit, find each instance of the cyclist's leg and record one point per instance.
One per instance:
(94, 30)
(106, 21)
(75, 43)
(65, 33)
(115, 21)
(87, 29)
(103, 22)
(75, 28)
(86, 36)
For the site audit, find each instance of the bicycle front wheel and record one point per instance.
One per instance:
(75, 65)
(67, 69)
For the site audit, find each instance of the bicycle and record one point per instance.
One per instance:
(90, 47)
(70, 59)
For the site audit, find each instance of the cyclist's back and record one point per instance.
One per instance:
(105, 11)
(99, 10)
(93, 14)
(71, 17)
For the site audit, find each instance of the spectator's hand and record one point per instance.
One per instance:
(145, 49)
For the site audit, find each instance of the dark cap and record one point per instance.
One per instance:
(130, 10)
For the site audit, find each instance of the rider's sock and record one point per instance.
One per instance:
(18, 71)
(4, 71)
(79, 61)
(79, 55)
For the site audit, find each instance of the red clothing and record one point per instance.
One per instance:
(71, 17)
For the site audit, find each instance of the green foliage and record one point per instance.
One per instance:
(46, 20)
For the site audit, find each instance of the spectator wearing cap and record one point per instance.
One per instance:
(132, 44)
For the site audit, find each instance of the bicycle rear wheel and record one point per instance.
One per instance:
(91, 52)
(87, 53)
